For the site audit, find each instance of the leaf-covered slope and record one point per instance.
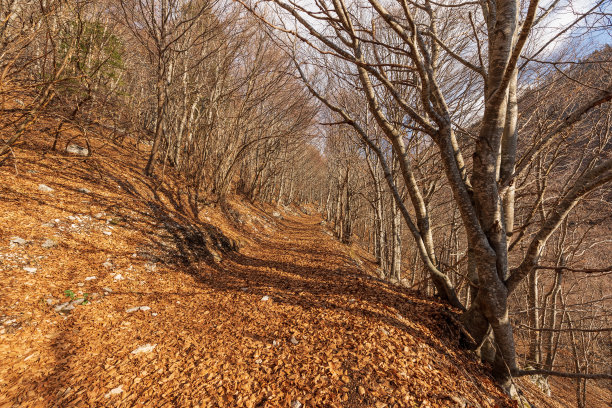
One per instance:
(174, 317)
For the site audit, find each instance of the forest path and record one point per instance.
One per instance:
(288, 320)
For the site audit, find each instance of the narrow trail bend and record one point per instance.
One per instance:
(292, 318)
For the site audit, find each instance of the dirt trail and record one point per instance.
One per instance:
(291, 319)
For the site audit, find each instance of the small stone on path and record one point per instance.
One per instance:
(147, 348)
(45, 188)
(265, 298)
(18, 241)
(29, 269)
(114, 391)
(49, 243)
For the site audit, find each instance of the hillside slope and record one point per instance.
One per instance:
(178, 315)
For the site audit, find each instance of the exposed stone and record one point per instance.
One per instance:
(18, 241)
(49, 243)
(84, 190)
(265, 298)
(45, 188)
(29, 269)
(77, 150)
(147, 348)
(114, 391)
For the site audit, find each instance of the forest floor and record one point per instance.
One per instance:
(113, 295)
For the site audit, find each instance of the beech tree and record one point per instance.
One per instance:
(411, 51)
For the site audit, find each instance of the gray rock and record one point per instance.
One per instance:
(64, 307)
(45, 188)
(77, 302)
(30, 269)
(90, 278)
(107, 265)
(132, 309)
(109, 233)
(276, 214)
(18, 241)
(265, 298)
(77, 150)
(118, 277)
(145, 308)
(84, 190)
(296, 404)
(49, 243)
(51, 301)
(293, 340)
(109, 290)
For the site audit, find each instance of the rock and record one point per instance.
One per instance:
(64, 307)
(49, 243)
(107, 265)
(133, 309)
(276, 214)
(258, 361)
(51, 301)
(29, 269)
(114, 391)
(59, 307)
(153, 314)
(99, 215)
(147, 348)
(265, 298)
(80, 284)
(109, 290)
(18, 241)
(459, 401)
(296, 404)
(77, 302)
(294, 341)
(77, 150)
(145, 308)
(84, 190)
(109, 233)
(90, 278)
(45, 188)
(118, 277)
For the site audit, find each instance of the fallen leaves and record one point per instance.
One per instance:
(285, 319)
